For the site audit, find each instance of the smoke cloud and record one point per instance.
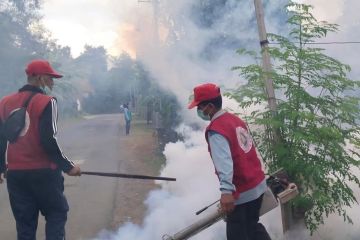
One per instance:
(200, 47)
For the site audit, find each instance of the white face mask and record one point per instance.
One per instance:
(202, 115)
(46, 90)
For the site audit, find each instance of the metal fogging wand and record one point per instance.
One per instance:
(203, 209)
(123, 175)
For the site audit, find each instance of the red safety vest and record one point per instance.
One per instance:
(27, 152)
(247, 172)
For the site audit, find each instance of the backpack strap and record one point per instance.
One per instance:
(29, 99)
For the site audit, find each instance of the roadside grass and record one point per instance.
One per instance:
(147, 146)
(141, 156)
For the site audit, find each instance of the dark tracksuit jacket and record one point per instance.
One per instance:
(33, 189)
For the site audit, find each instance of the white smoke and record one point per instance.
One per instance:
(174, 206)
(179, 66)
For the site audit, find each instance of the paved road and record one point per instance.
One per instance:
(94, 143)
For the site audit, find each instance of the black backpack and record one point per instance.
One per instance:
(15, 122)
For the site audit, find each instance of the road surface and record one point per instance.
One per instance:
(96, 143)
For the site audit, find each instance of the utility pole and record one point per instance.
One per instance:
(156, 23)
(286, 212)
(155, 5)
(269, 85)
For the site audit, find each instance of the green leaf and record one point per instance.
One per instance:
(316, 120)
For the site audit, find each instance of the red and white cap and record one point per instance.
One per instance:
(39, 67)
(203, 93)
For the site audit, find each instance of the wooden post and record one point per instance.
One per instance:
(286, 213)
(286, 216)
(269, 86)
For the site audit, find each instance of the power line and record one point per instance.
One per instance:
(322, 43)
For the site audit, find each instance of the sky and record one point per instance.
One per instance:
(81, 22)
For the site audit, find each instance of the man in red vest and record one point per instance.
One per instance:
(34, 162)
(242, 181)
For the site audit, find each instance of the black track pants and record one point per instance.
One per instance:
(34, 191)
(243, 222)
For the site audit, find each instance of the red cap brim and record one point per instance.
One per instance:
(55, 75)
(193, 104)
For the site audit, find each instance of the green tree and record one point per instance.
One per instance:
(18, 43)
(24, 38)
(93, 63)
(319, 138)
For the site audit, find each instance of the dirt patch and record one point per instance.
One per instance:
(142, 157)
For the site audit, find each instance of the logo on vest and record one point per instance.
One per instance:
(244, 139)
